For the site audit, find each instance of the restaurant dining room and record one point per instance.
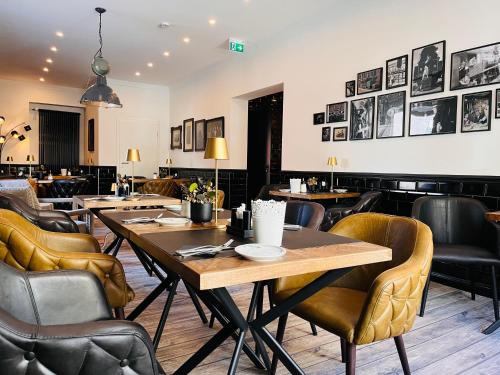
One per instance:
(249, 187)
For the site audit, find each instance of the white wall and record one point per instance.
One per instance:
(15, 99)
(314, 61)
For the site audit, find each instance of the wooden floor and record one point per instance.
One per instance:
(446, 341)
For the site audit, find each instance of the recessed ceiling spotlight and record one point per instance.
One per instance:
(186, 39)
(150, 64)
(212, 21)
(166, 53)
(59, 34)
(137, 74)
(53, 49)
(49, 60)
(45, 69)
(42, 79)
(164, 25)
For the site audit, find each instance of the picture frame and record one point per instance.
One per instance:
(497, 103)
(370, 81)
(396, 72)
(215, 127)
(336, 112)
(476, 111)
(176, 137)
(350, 88)
(319, 118)
(433, 116)
(339, 134)
(428, 69)
(188, 126)
(200, 135)
(326, 134)
(475, 67)
(391, 112)
(91, 135)
(362, 119)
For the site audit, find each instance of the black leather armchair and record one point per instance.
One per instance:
(368, 202)
(53, 221)
(61, 192)
(306, 214)
(264, 191)
(461, 235)
(59, 323)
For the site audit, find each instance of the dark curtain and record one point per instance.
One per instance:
(59, 139)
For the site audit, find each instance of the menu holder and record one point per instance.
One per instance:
(241, 228)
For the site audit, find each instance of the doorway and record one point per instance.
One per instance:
(265, 126)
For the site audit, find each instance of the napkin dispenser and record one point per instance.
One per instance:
(241, 225)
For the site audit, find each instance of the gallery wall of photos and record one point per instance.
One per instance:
(471, 68)
(192, 135)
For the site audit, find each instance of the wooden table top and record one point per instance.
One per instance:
(307, 251)
(493, 216)
(314, 196)
(90, 201)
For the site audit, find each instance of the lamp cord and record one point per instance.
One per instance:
(99, 51)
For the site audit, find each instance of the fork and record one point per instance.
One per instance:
(204, 249)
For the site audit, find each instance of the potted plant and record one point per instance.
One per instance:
(201, 196)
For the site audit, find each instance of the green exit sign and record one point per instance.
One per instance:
(236, 45)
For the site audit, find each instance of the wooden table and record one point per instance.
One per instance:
(313, 196)
(493, 215)
(307, 251)
(94, 203)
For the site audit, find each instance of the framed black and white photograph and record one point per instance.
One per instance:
(435, 116)
(427, 73)
(362, 118)
(350, 89)
(319, 118)
(340, 134)
(176, 137)
(188, 134)
(474, 67)
(391, 115)
(326, 134)
(336, 112)
(370, 81)
(200, 135)
(396, 72)
(215, 127)
(497, 104)
(476, 112)
(91, 135)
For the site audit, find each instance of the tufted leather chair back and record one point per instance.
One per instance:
(67, 189)
(306, 214)
(54, 221)
(368, 202)
(455, 220)
(167, 188)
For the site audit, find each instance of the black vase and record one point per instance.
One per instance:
(201, 212)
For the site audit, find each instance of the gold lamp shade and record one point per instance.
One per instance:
(10, 158)
(332, 161)
(133, 154)
(30, 158)
(216, 149)
(169, 161)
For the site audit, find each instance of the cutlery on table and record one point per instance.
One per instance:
(205, 249)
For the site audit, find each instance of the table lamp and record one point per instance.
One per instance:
(133, 156)
(10, 159)
(169, 163)
(216, 149)
(332, 161)
(30, 158)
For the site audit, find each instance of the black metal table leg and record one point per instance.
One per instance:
(146, 262)
(117, 246)
(164, 314)
(112, 245)
(196, 303)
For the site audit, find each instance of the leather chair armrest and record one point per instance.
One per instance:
(45, 206)
(68, 297)
(69, 242)
(78, 212)
(294, 282)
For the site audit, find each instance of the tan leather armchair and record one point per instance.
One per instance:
(29, 248)
(372, 302)
(167, 188)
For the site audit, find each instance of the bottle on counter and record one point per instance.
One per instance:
(303, 187)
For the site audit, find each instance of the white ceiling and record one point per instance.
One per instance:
(132, 38)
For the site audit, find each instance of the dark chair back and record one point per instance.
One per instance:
(306, 214)
(455, 220)
(264, 191)
(67, 189)
(53, 221)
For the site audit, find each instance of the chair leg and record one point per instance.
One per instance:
(496, 324)
(280, 333)
(119, 313)
(212, 321)
(350, 363)
(402, 354)
(343, 349)
(313, 329)
(471, 277)
(424, 295)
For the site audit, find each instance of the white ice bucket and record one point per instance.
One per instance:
(268, 219)
(295, 185)
(64, 172)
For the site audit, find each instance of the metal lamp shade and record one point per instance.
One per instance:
(332, 161)
(133, 155)
(169, 161)
(100, 95)
(10, 159)
(30, 158)
(216, 149)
